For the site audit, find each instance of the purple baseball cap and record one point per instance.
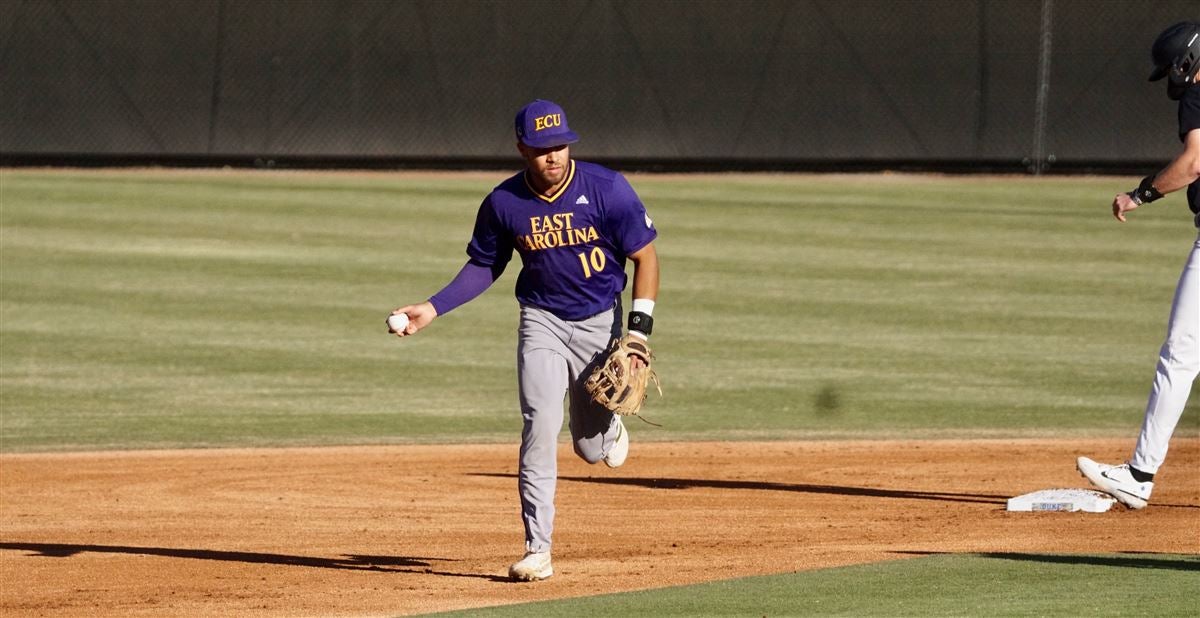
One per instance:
(543, 124)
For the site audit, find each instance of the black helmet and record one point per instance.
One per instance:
(1176, 54)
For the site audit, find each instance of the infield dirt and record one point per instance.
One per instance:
(392, 530)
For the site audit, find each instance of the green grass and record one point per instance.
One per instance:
(191, 309)
(1004, 584)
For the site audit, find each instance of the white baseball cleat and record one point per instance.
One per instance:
(620, 448)
(533, 567)
(1116, 481)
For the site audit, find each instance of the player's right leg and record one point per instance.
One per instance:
(1178, 366)
(542, 384)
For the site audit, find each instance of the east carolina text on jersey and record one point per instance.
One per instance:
(573, 244)
(551, 231)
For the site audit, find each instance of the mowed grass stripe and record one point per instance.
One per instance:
(185, 308)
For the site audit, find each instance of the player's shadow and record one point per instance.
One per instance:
(354, 562)
(1140, 560)
(836, 490)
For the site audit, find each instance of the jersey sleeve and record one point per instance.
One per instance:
(629, 225)
(1189, 112)
(491, 245)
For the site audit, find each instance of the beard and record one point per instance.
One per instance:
(553, 177)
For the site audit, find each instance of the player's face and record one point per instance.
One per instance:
(547, 166)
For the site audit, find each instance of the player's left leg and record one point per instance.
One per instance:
(594, 430)
(1178, 366)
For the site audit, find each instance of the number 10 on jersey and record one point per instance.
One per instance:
(595, 260)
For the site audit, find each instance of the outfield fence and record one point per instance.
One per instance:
(1033, 85)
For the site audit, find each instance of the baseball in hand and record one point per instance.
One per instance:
(397, 322)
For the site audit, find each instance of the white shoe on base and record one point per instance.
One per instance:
(533, 567)
(1116, 481)
(620, 448)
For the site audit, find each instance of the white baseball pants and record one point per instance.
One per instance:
(1178, 365)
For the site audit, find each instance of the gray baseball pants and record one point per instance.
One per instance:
(554, 358)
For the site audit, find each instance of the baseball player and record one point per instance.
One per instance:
(574, 224)
(1176, 55)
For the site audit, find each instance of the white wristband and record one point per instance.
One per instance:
(643, 305)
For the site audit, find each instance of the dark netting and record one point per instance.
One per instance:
(1037, 81)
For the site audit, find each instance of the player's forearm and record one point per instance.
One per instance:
(1184, 169)
(1180, 173)
(470, 282)
(645, 273)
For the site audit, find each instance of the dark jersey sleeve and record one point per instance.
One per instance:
(491, 244)
(1189, 120)
(1189, 112)
(627, 222)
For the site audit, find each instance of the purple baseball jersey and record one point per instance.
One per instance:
(573, 244)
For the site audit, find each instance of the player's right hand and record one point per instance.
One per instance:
(419, 316)
(1122, 204)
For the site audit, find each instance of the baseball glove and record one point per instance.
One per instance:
(613, 384)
